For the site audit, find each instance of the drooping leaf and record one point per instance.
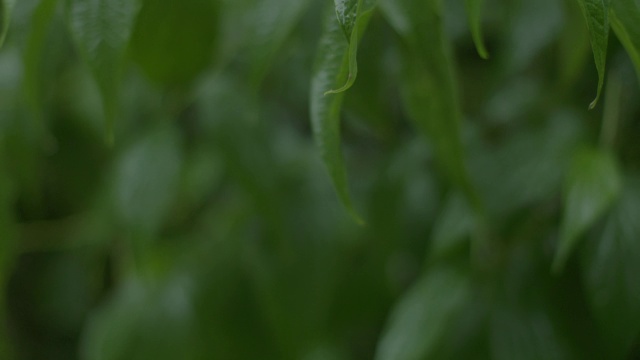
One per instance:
(5, 17)
(272, 21)
(102, 30)
(423, 316)
(41, 19)
(174, 41)
(429, 88)
(332, 69)
(592, 185)
(596, 13)
(611, 264)
(474, 13)
(353, 16)
(625, 21)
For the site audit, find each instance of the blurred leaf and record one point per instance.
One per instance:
(5, 18)
(147, 179)
(272, 22)
(611, 264)
(597, 14)
(625, 20)
(33, 54)
(474, 12)
(331, 68)
(592, 185)
(102, 30)
(144, 321)
(174, 41)
(423, 315)
(454, 224)
(525, 335)
(429, 86)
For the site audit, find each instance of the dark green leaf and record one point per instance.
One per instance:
(423, 315)
(625, 20)
(174, 41)
(611, 265)
(592, 185)
(102, 30)
(430, 92)
(5, 17)
(597, 14)
(474, 13)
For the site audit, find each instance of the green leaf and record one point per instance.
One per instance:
(174, 41)
(474, 13)
(611, 264)
(625, 21)
(33, 55)
(5, 17)
(596, 13)
(592, 185)
(422, 317)
(332, 67)
(102, 30)
(429, 88)
(353, 17)
(147, 178)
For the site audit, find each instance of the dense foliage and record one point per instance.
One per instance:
(173, 179)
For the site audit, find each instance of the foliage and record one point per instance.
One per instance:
(169, 171)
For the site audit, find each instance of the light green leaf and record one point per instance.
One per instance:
(474, 13)
(102, 30)
(611, 264)
(592, 185)
(332, 68)
(5, 17)
(422, 317)
(429, 88)
(625, 20)
(596, 13)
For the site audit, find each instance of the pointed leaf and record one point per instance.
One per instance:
(429, 88)
(625, 20)
(596, 13)
(474, 13)
(332, 68)
(423, 316)
(611, 266)
(101, 30)
(592, 185)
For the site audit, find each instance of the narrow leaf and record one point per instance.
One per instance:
(429, 88)
(625, 21)
(5, 16)
(102, 30)
(474, 13)
(423, 316)
(611, 266)
(332, 68)
(596, 13)
(593, 183)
